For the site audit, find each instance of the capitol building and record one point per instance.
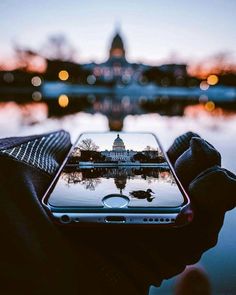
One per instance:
(116, 67)
(119, 152)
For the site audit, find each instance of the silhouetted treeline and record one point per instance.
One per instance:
(165, 76)
(228, 79)
(148, 157)
(76, 74)
(176, 75)
(17, 77)
(95, 156)
(122, 173)
(170, 75)
(87, 156)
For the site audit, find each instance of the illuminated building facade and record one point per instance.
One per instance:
(117, 68)
(119, 152)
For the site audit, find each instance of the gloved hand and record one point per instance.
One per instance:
(39, 258)
(198, 166)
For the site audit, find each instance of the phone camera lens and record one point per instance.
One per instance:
(65, 219)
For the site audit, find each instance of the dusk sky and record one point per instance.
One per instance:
(132, 141)
(153, 30)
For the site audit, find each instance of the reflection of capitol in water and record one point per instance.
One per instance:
(118, 152)
(91, 178)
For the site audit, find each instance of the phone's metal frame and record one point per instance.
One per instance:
(170, 216)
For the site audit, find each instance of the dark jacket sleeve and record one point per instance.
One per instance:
(34, 255)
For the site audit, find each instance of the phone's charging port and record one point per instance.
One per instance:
(115, 219)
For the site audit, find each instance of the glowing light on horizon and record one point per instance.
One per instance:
(63, 75)
(212, 80)
(204, 85)
(63, 100)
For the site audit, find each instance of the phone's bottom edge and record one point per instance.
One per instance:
(116, 218)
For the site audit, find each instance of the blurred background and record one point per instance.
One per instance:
(160, 66)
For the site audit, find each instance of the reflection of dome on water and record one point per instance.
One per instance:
(120, 182)
(118, 144)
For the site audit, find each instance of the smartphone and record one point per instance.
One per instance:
(123, 178)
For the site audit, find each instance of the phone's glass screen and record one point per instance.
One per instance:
(125, 164)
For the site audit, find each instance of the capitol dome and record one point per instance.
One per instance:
(117, 47)
(118, 144)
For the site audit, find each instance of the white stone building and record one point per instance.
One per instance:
(119, 152)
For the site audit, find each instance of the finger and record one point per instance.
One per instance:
(198, 157)
(180, 145)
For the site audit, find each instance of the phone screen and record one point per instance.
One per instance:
(120, 164)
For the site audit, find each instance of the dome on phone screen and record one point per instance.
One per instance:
(118, 144)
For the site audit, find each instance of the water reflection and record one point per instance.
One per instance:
(143, 186)
(115, 108)
(119, 175)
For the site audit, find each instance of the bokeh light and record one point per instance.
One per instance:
(63, 100)
(210, 106)
(36, 95)
(212, 80)
(91, 79)
(8, 77)
(36, 81)
(63, 75)
(204, 85)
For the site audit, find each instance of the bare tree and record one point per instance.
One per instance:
(58, 47)
(72, 177)
(27, 59)
(91, 183)
(88, 145)
(77, 177)
(220, 63)
(76, 152)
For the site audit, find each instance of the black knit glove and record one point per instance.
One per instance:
(198, 166)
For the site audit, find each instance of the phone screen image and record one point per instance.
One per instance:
(131, 165)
